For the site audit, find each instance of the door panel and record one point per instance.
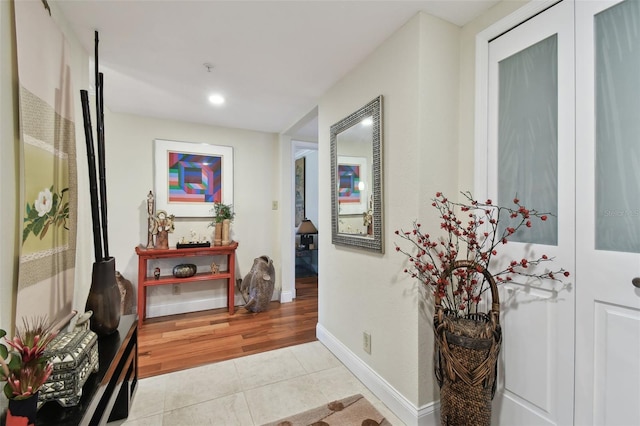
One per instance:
(617, 167)
(608, 199)
(524, 383)
(531, 154)
(616, 365)
(528, 133)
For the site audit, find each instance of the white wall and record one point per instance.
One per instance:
(467, 105)
(130, 159)
(425, 150)
(129, 179)
(416, 72)
(426, 73)
(8, 166)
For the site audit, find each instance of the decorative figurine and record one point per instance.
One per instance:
(163, 225)
(215, 269)
(151, 207)
(156, 273)
(367, 218)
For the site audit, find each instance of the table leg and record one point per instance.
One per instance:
(231, 291)
(142, 290)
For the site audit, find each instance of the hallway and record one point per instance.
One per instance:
(178, 342)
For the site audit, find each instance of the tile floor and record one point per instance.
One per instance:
(251, 390)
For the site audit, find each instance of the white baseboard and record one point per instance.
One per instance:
(286, 297)
(182, 306)
(395, 401)
(193, 305)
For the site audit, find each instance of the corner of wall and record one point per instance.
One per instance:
(9, 166)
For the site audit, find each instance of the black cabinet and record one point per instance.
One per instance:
(306, 262)
(107, 395)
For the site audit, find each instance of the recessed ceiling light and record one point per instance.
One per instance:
(216, 99)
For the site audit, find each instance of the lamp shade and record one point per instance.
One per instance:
(306, 227)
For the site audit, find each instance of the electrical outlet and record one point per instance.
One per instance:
(176, 289)
(366, 342)
(274, 205)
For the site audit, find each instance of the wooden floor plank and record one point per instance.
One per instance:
(178, 342)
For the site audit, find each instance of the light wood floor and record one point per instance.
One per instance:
(182, 341)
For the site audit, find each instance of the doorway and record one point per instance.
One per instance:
(305, 200)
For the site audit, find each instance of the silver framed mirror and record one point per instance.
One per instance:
(356, 179)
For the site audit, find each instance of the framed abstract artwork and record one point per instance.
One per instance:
(352, 184)
(191, 177)
(300, 190)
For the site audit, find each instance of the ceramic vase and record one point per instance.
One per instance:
(217, 240)
(185, 270)
(226, 229)
(104, 298)
(22, 412)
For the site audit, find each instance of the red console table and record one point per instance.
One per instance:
(145, 280)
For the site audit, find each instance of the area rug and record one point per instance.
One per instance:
(351, 411)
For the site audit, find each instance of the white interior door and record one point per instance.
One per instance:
(608, 220)
(530, 154)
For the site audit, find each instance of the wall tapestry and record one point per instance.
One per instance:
(300, 190)
(191, 177)
(48, 169)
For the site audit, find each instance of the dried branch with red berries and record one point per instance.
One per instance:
(476, 238)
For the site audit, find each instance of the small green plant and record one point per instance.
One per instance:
(221, 212)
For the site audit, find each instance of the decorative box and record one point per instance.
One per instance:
(74, 356)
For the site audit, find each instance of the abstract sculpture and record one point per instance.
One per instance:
(257, 286)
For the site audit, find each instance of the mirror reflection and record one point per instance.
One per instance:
(354, 183)
(356, 178)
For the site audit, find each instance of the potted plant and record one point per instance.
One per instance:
(24, 368)
(223, 216)
(455, 269)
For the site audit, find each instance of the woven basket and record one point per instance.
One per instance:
(465, 358)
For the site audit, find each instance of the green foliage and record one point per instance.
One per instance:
(221, 212)
(7, 363)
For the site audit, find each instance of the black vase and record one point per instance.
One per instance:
(104, 298)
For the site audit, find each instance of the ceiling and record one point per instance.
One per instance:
(272, 60)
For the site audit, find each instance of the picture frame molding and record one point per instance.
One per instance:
(300, 187)
(162, 147)
(361, 206)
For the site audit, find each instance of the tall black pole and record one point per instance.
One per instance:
(101, 149)
(102, 171)
(104, 295)
(93, 185)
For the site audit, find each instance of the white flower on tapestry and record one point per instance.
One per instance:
(49, 209)
(43, 202)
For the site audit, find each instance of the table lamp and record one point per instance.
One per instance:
(306, 231)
